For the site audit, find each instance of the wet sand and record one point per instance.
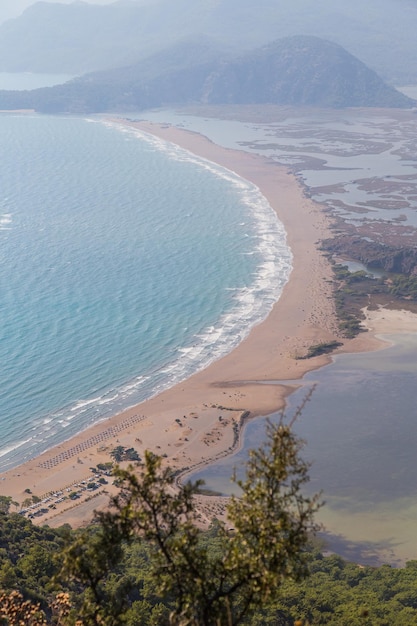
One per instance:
(197, 420)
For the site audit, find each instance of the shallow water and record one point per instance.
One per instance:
(337, 154)
(360, 428)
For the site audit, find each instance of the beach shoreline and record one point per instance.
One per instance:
(196, 421)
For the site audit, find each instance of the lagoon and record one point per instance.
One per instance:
(360, 428)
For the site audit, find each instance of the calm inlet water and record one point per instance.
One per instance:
(126, 264)
(360, 428)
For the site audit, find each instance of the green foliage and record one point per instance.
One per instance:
(321, 348)
(124, 454)
(117, 453)
(353, 291)
(104, 467)
(351, 294)
(272, 518)
(342, 272)
(336, 593)
(339, 593)
(29, 557)
(403, 286)
(271, 521)
(131, 454)
(5, 502)
(90, 560)
(350, 326)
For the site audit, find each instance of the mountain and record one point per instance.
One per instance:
(302, 71)
(80, 37)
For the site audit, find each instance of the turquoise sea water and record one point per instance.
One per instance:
(126, 264)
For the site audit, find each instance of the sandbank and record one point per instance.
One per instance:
(383, 321)
(197, 420)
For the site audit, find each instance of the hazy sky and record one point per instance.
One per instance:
(14, 8)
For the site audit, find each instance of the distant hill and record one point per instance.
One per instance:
(78, 38)
(303, 71)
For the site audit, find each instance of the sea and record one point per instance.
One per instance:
(126, 265)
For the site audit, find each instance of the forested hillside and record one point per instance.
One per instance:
(336, 593)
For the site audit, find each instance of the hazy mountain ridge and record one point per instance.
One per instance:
(303, 70)
(90, 37)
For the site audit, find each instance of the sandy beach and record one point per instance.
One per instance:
(197, 420)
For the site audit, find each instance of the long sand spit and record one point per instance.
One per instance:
(198, 420)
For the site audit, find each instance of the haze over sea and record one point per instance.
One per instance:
(126, 265)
